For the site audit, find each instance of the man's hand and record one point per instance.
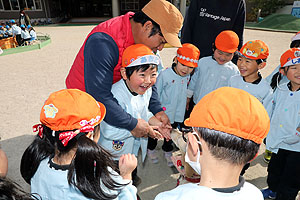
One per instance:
(142, 129)
(161, 116)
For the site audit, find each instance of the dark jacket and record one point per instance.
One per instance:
(205, 19)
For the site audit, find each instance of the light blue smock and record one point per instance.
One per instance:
(209, 76)
(193, 191)
(172, 92)
(119, 141)
(52, 184)
(285, 120)
(262, 91)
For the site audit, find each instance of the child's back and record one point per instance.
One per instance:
(64, 161)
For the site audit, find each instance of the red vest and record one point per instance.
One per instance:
(119, 28)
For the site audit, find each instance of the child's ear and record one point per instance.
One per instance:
(262, 65)
(281, 71)
(123, 73)
(193, 143)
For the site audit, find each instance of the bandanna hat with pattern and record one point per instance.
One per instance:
(290, 57)
(255, 49)
(233, 111)
(227, 41)
(71, 109)
(188, 55)
(138, 54)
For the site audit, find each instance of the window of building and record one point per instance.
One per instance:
(14, 5)
(130, 5)
(6, 5)
(1, 5)
(20, 4)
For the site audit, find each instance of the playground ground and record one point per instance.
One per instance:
(28, 78)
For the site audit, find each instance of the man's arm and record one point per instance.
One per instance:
(101, 55)
(154, 104)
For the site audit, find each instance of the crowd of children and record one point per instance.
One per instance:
(73, 156)
(23, 34)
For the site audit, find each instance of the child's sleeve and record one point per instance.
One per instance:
(192, 84)
(128, 192)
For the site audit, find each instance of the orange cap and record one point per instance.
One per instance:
(168, 17)
(255, 49)
(138, 54)
(290, 57)
(71, 109)
(227, 41)
(233, 111)
(188, 55)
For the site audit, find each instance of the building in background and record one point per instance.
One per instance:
(62, 10)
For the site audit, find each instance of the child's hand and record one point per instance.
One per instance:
(127, 164)
(155, 134)
(165, 131)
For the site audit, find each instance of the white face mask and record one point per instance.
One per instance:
(22, 15)
(195, 165)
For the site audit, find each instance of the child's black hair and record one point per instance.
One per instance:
(215, 48)
(295, 44)
(141, 17)
(130, 70)
(10, 190)
(276, 78)
(87, 170)
(224, 146)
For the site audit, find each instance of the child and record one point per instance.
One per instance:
(64, 161)
(284, 136)
(253, 57)
(24, 35)
(8, 31)
(222, 143)
(133, 93)
(16, 32)
(172, 89)
(32, 33)
(214, 71)
(295, 42)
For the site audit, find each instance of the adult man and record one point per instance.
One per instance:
(206, 19)
(226, 136)
(98, 62)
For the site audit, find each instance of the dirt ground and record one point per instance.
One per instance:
(28, 78)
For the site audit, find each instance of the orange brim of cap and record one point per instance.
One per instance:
(172, 38)
(102, 112)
